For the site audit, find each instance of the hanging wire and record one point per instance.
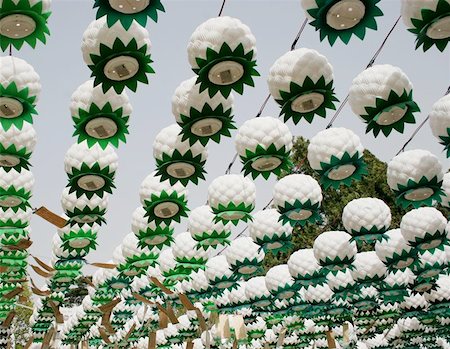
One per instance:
(10, 49)
(263, 106)
(371, 63)
(416, 131)
(221, 8)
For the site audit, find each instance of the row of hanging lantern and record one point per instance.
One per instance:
(21, 22)
(326, 283)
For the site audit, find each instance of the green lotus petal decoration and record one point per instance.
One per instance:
(118, 283)
(19, 196)
(422, 285)
(270, 154)
(226, 54)
(395, 102)
(345, 292)
(187, 158)
(356, 163)
(400, 261)
(308, 279)
(86, 215)
(246, 267)
(126, 19)
(176, 274)
(154, 212)
(120, 49)
(139, 264)
(188, 123)
(368, 236)
(326, 31)
(14, 260)
(11, 237)
(32, 12)
(309, 87)
(155, 238)
(210, 239)
(25, 100)
(80, 241)
(95, 170)
(226, 213)
(193, 263)
(21, 155)
(445, 141)
(299, 214)
(395, 294)
(276, 244)
(94, 112)
(429, 19)
(402, 190)
(69, 264)
(224, 283)
(9, 223)
(430, 241)
(337, 264)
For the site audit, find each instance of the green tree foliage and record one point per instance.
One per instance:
(20, 325)
(334, 201)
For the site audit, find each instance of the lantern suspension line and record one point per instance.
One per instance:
(221, 8)
(263, 106)
(416, 131)
(371, 63)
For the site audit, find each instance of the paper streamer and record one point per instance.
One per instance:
(51, 217)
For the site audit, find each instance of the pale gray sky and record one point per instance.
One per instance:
(274, 24)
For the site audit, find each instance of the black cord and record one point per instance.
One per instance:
(221, 8)
(371, 63)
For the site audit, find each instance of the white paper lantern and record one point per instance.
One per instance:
(244, 256)
(138, 259)
(176, 159)
(83, 209)
(232, 198)
(222, 52)
(366, 219)
(342, 19)
(298, 198)
(100, 117)
(80, 238)
(336, 155)
(202, 118)
(429, 21)
(15, 189)
(269, 232)
(424, 228)
(118, 57)
(219, 273)
(264, 145)
(304, 268)
(279, 282)
(334, 250)
(187, 254)
(257, 292)
(440, 122)
(91, 171)
(205, 231)
(163, 202)
(301, 82)
(382, 97)
(394, 251)
(368, 268)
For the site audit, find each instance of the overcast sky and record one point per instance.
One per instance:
(274, 24)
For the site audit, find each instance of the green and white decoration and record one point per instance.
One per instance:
(440, 122)
(264, 145)
(424, 228)
(394, 251)
(150, 234)
(244, 256)
(170, 269)
(15, 218)
(138, 259)
(336, 154)
(224, 60)
(23, 21)
(335, 250)
(19, 92)
(84, 210)
(205, 231)
(297, 198)
(128, 11)
(100, 117)
(301, 82)
(382, 96)
(177, 160)
(415, 176)
(219, 273)
(187, 254)
(16, 147)
(90, 170)
(163, 201)
(280, 283)
(366, 219)
(270, 232)
(117, 57)
(232, 198)
(305, 268)
(429, 20)
(15, 189)
(79, 238)
(201, 117)
(342, 18)
(257, 293)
